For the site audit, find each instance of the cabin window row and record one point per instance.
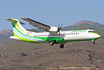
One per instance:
(58, 34)
(72, 33)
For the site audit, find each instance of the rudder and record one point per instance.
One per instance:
(17, 28)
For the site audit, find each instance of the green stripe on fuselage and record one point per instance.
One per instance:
(25, 39)
(96, 34)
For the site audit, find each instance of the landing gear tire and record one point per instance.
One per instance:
(61, 46)
(93, 42)
(52, 43)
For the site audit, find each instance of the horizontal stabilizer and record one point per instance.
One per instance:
(14, 21)
(10, 20)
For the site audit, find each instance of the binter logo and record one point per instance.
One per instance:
(78, 31)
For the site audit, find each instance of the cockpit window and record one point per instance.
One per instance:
(91, 31)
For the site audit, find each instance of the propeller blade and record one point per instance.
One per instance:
(59, 33)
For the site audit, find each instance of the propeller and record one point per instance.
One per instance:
(59, 28)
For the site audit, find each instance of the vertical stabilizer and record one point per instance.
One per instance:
(18, 30)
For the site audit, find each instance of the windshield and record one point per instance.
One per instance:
(91, 31)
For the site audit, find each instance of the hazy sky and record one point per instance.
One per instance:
(67, 12)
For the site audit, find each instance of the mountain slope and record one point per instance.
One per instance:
(4, 36)
(87, 22)
(83, 54)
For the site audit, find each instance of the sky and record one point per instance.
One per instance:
(51, 12)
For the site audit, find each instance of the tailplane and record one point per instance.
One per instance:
(18, 30)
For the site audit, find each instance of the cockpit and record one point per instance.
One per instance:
(91, 32)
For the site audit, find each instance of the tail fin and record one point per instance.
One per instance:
(17, 28)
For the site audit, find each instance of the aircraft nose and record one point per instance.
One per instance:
(98, 36)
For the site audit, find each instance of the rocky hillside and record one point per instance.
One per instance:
(5, 32)
(86, 22)
(4, 36)
(26, 56)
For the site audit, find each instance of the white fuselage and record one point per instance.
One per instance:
(68, 35)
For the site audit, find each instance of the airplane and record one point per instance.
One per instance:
(52, 34)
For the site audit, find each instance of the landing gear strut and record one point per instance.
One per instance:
(61, 46)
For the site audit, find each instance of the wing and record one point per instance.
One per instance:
(37, 24)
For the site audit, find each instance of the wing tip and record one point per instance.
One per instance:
(6, 18)
(24, 18)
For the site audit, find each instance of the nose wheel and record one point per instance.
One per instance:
(61, 45)
(93, 42)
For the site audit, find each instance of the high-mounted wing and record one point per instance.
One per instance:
(43, 26)
(37, 24)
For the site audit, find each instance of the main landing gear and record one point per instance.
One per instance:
(54, 41)
(61, 45)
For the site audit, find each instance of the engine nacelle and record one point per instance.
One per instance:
(53, 29)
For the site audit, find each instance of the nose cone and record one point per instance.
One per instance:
(97, 36)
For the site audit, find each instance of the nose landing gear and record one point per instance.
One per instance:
(93, 42)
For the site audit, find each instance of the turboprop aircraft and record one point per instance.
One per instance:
(52, 35)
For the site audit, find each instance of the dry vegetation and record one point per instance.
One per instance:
(18, 55)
